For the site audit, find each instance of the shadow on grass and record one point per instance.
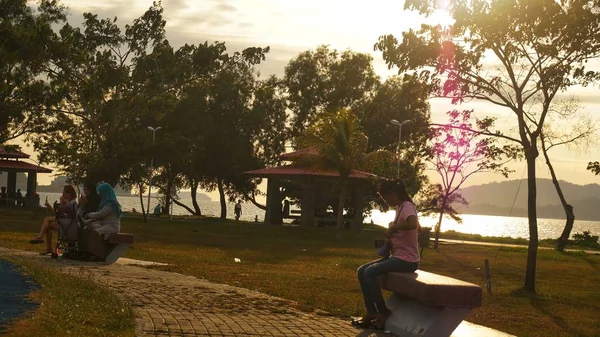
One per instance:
(539, 305)
(592, 262)
(542, 307)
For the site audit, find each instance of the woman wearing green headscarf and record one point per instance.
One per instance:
(108, 217)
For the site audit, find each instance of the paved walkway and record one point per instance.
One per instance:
(172, 304)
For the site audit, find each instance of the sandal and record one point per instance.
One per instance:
(364, 322)
(46, 252)
(379, 322)
(36, 240)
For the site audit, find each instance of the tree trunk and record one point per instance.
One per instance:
(177, 202)
(439, 224)
(194, 191)
(254, 202)
(140, 193)
(222, 199)
(562, 241)
(530, 155)
(168, 201)
(340, 213)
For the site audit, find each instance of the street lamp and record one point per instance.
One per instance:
(151, 169)
(399, 125)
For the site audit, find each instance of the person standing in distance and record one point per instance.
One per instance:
(238, 210)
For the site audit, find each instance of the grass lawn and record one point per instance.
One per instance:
(70, 306)
(308, 266)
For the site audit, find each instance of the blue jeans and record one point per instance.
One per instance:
(369, 285)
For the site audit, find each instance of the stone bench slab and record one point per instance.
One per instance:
(434, 290)
(120, 238)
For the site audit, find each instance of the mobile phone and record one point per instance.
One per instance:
(378, 243)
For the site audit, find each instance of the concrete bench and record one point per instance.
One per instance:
(117, 245)
(426, 304)
(110, 249)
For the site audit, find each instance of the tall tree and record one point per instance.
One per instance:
(269, 108)
(326, 80)
(234, 123)
(26, 36)
(536, 48)
(399, 98)
(341, 146)
(92, 71)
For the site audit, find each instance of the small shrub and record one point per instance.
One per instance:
(586, 239)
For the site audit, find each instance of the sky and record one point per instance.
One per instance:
(290, 27)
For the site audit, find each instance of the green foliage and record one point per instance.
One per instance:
(26, 36)
(108, 85)
(594, 167)
(91, 131)
(326, 80)
(586, 239)
(399, 98)
(339, 142)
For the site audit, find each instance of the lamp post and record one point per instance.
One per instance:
(399, 125)
(151, 169)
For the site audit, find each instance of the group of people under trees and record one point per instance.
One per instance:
(97, 209)
(11, 198)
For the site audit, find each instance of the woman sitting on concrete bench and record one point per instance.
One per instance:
(107, 219)
(402, 238)
(89, 202)
(64, 212)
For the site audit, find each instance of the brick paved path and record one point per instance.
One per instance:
(172, 304)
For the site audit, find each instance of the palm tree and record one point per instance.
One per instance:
(340, 145)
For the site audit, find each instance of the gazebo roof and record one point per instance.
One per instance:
(291, 171)
(22, 166)
(4, 153)
(293, 156)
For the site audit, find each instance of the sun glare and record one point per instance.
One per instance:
(442, 17)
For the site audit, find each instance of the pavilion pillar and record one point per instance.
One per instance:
(31, 188)
(359, 196)
(307, 216)
(320, 197)
(11, 186)
(273, 212)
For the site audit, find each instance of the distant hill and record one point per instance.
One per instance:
(497, 199)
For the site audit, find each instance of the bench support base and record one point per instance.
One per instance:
(412, 318)
(116, 252)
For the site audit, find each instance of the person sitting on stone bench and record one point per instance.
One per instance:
(402, 237)
(107, 219)
(89, 202)
(101, 224)
(66, 209)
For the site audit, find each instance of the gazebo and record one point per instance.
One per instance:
(10, 163)
(315, 190)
